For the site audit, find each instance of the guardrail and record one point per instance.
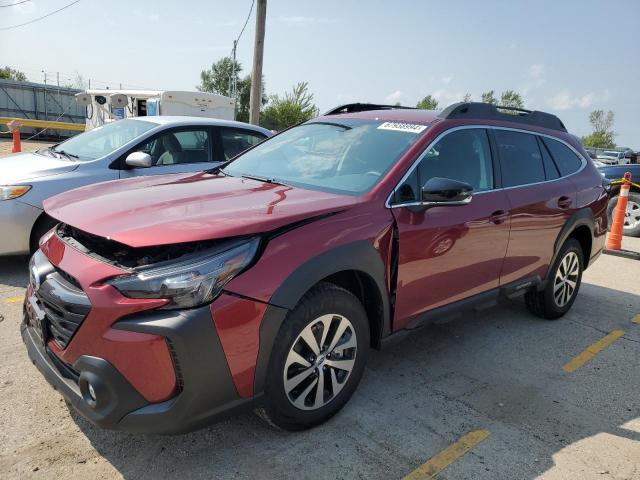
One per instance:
(27, 122)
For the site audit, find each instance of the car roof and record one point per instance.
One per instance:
(395, 114)
(183, 120)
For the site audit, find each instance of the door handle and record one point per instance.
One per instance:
(564, 202)
(498, 217)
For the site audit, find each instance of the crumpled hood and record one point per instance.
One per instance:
(22, 167)
(166, 209)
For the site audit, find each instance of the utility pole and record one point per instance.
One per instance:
(46, 113)
(256, 74)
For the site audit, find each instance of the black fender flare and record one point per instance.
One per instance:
(582, 217)
(360, 256)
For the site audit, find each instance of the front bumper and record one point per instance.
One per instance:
(17, 220)
(206, 389)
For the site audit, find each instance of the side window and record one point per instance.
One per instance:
(462, 155)
(235, 141)
(520, 158)
(568, 162)
(550, 168)
(172, 148)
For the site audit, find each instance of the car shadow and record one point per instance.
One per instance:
(499, 370)
(15, 270)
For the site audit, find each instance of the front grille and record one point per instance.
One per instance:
(65, 306)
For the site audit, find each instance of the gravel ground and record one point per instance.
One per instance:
(498, 370)
(27, 146)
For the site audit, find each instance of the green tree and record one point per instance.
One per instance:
(489, 97)
(428, 103)
(467, 98)
(511, 98)
(217, 80)
(603, 135)
(8, 73)
(296, 106)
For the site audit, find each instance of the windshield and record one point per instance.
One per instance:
(103, 140)
(345, 156)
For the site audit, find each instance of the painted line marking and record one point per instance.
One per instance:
(592, 350)
(446, 457)
(636, 319)
(13, 299)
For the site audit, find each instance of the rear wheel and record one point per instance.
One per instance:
(563, 283)
(317, 360)
(632, 215)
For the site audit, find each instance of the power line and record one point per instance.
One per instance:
(14, 4)
(245, 22)
(39, 18)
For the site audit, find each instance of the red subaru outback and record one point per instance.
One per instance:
(164, 303)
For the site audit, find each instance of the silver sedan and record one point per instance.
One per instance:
(122, 149)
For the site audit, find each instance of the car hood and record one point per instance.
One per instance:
(22, 167)
(167, 209)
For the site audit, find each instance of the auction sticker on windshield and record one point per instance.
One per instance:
(403, 127)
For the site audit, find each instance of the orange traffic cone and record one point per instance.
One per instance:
(14, 128)
(614, 239)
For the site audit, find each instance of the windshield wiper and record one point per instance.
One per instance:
(66, 154)
(265, 180)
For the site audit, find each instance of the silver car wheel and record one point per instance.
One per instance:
(632, 215)
(320, 362)
(566, 279)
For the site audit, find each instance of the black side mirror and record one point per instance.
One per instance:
(446, 191)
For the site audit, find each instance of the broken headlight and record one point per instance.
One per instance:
(189, 283)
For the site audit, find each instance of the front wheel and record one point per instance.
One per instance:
(317, 360)
(563, 283)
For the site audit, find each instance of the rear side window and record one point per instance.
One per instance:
(520, 158)
(235, 141)
(568, 162)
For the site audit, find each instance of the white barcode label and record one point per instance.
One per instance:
(403, 127)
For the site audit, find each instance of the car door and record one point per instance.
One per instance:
(175, 150)
(450, 253)
(541, 201)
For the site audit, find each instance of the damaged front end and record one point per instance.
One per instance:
(186, 275)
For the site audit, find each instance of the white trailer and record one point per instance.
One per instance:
(103, 106)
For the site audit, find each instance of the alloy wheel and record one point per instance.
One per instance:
(320, 362)
(566, 279)
(632, 215)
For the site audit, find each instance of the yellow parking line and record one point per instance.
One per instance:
(447, 456)
(636, 319)
(13, 299)
(592, 350)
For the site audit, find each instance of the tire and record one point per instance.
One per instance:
(291, 400)
(544, 303)
(42, 226)
(632, 220)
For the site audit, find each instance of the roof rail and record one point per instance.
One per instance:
(487, 111)
(362, 107)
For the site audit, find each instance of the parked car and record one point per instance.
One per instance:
(615, 174)
(164, 303)
(612, 157)
(123, 149)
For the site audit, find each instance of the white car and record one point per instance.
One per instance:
(122, 149)
(612, 157)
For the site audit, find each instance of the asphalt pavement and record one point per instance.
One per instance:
(497, 394)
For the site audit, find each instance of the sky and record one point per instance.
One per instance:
(568, 57)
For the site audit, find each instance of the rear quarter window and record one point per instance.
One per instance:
(566, 159)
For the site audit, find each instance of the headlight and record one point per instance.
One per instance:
(7, 192)
(189, 283)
